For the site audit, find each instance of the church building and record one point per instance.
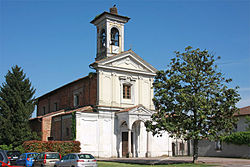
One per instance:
(106, 110)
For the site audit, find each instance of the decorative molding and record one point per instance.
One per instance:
(125, 70)
(127, 78)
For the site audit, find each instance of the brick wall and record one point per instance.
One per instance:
(36, 126)
(66, 127)
(56, 130)
(85, 87)
(46, 128)
(61, 127)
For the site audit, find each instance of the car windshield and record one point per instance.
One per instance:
(52, 156)
(31, 155)
(13, 153)
(85, 156)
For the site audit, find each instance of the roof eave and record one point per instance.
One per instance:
(125, 18)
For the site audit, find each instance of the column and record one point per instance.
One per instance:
(139, 91)
(129, 143)
(148, 153)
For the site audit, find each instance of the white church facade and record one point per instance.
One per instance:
(110, 105)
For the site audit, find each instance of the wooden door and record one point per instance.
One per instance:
(124, 144)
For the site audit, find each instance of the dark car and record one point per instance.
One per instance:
(3, 158)
(13, 156)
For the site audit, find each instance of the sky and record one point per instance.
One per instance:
(54, 41)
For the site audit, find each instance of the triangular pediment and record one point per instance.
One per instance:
(140, 111)
(127, 61)
(136, 110)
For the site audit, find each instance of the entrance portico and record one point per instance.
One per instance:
(132, 138)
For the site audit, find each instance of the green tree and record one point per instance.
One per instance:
(16, 106)
(192, 100)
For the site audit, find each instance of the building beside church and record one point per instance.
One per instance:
(106, 110)
(221, 149)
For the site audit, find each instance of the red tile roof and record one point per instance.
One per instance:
(243, 111)
(63, 112)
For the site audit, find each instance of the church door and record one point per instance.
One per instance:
(125, 143)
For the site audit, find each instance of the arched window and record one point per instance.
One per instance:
(103, 38)
(114, 37)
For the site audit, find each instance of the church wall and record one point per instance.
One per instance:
(36, 126)
(56, 130)
(142, 141)
(87, 132)
(42, 103)
(66, 127)
(95, 132)
(61, 127)
(161, 146)
(110, 89)
(86, 88)
(46, 128)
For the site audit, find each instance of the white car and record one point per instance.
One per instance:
(77, 160)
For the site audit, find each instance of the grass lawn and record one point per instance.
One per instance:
(115, 164)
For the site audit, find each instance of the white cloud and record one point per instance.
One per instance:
(243, 102)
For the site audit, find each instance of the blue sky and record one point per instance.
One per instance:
(53, 41)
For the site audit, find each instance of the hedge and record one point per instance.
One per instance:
(238, 138)
(63, 147)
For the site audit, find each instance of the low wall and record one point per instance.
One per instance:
(207, 148)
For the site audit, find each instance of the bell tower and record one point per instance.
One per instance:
(110, 33)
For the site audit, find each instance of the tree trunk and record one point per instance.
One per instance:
(195, 150)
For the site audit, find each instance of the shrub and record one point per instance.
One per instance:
(237, 138)
(10, 147)
(63, 147)
(20, 148)
(6, 147)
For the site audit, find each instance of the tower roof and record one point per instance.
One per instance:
(110, 15)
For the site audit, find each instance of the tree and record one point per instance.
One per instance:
(192, 100)
(16, 106)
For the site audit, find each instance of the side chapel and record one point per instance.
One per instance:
(108, 108)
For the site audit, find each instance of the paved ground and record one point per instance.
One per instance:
(225, 162)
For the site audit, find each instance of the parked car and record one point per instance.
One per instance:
(26, 159)
(3, 158)
(47, 159)
(77, 160)
(13, 156)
